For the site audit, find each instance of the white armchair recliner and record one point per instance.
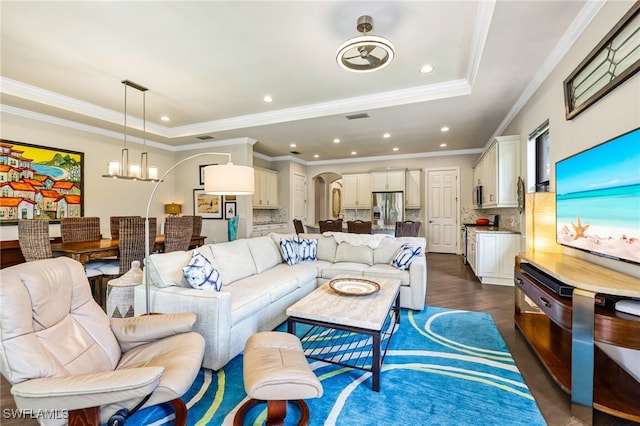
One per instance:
(60, 351)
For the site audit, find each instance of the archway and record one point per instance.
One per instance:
(327, 196)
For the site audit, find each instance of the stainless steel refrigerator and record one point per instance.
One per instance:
(387, 208)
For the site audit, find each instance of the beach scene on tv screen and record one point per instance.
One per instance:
(598, 199)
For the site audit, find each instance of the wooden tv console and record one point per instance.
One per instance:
(546, 321)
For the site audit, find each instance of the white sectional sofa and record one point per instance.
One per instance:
(258, 285)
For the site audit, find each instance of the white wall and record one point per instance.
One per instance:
(616, 113)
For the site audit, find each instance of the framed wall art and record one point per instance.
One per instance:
(208, 206)
(39, 182)
(202, 171)
(229, 209)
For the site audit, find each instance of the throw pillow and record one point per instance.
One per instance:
(405, 256)
(307, 249)
(201, 274)
(289, 249)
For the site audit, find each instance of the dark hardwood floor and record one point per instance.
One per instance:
(453, 285)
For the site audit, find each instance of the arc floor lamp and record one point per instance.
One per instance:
(219, 179)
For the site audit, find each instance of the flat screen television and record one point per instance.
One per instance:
(598, 199)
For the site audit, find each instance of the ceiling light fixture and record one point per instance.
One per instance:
(442, 145)
(396, 148)
(315, 156)
(365, 53)
(292, 145)
(426, 69)
(124, 170)
(164, 118)
(386, 135)
(268, 98)
(353, 153)
(336, 140)
(444, 129)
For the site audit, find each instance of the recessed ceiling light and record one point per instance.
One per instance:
(386, 135)
(396, 148)
(268, 98)
(353, 153)
(292, 145)
(315, 156)
(442, 145)
(426, 69)
(444, 129)
(164, 118)
(336, 140)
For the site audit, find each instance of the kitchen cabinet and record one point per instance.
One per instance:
(497, 172)
(471, 249)
(356, 190)
(265, 195)
(494, 256)
(387, 180)
(412, 189)
(262, 229)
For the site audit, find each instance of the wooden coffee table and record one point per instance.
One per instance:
(348, 330)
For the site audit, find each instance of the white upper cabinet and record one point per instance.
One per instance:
(497, 171)
(265, 195)
(356, 190)
(388, 180)
(412, 190)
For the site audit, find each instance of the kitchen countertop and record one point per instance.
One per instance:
(268, 223)
(498, 230)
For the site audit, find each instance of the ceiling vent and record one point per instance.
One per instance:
(205, 137)
(294, 152)
(357, 116)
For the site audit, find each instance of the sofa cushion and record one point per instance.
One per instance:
(344, 268)
(246, 301)
(265, 252)
(234, 260)
(357, 254)
(278, 282)
(165, 269)
(405, 255)
(386, 251)
(307, 249)
(380, 270)
(327, 246)
(201, 274)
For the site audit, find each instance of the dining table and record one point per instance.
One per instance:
(85, 251)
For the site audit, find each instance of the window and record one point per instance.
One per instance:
(541, 141)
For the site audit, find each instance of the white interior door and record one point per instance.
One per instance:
(300, 198)
(442, 210)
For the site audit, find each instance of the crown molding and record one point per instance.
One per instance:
(479, 38)
(215, 144)
(589, 11)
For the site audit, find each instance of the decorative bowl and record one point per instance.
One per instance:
(482, 221)
(354, 286)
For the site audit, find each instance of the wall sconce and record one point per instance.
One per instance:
(173, 209)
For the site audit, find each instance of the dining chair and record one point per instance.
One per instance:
(408, 228)
(197, 225)
(75, 229)
(359, 227)
(330, 225)
(298, 226)
(114, 224)
(177, 233)
(33, 237)
(130, 245)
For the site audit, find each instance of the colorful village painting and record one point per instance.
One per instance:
(38, 182)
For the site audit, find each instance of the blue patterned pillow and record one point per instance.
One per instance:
(405, 255)
(307, 249)
(289, 249)
(201, 274)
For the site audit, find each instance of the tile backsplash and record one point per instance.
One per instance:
(508, 218)
(270, 216)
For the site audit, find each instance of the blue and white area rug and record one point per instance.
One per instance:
(442, 367)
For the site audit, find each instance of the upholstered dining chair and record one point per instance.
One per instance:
(74, 229)
(408, 228)
(60, 350)
(33, 237)
(330, 225)
(359, 227)
(298, 226)
(177, 233)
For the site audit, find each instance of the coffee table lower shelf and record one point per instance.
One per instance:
(348, 346)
